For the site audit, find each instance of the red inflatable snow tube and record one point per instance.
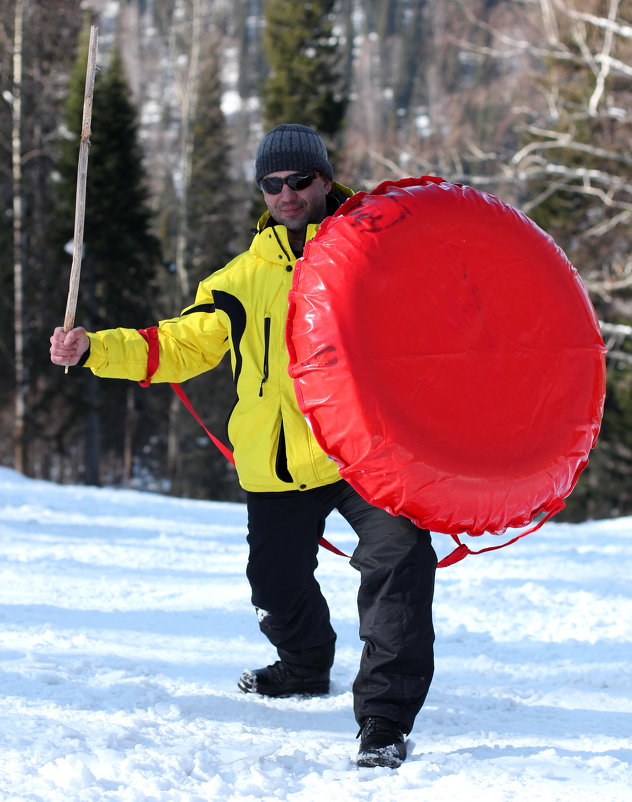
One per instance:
(447, 356)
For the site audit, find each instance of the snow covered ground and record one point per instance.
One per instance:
(125, 622)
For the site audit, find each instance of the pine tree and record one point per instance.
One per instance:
(304, 84)
(199, 470)
(210, 207)
(120, 247)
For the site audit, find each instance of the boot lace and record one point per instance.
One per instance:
(373, 725)
(280, 671)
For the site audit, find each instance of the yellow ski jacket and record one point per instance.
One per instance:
(242, 307)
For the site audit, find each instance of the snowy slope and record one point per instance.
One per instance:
(125, 622)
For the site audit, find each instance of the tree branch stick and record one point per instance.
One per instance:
(82, 175)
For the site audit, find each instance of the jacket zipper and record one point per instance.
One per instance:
(281, 246)
(266, 352)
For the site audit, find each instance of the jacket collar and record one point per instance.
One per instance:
(338, 194)
(271, 238)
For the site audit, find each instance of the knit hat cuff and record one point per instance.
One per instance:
(292, 147)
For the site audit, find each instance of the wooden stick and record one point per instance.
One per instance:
(82, 176)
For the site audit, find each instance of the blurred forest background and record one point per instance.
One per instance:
(530, 100)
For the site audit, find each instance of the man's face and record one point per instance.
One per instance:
(296, 208)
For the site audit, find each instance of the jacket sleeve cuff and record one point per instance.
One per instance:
(117, 354)
(84, 358)
(95, 354)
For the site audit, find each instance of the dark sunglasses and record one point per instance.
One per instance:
(295, 181)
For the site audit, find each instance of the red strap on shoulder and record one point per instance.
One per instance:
(153, 354)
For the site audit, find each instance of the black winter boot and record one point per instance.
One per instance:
(381, 743)
(282, 679)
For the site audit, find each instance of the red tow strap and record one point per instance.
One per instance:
(459, 553)
(218, 443)
(153, 360)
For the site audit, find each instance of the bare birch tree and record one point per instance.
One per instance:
(18, 241)
(573, 167)
(533, 102)
(565, 158)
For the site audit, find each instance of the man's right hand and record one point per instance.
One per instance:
(68, 348)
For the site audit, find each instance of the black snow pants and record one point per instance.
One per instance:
(397, 565)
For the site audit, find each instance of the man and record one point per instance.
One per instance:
(291, 484)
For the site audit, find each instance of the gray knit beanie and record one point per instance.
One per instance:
(292, 147)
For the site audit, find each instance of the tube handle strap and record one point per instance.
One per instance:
(462, 551)
(153, 353)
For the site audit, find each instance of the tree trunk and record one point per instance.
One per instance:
(131, 419)
(92, 442)
(92, 432)
(18, 241)
(189, 92)
(189, 111)
(174, 458)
